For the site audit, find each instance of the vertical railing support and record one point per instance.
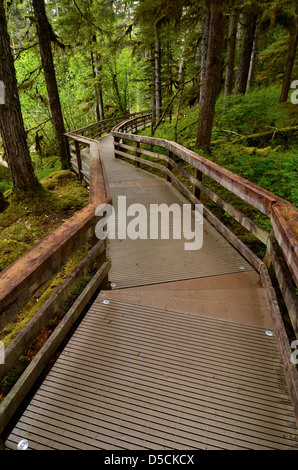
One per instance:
(79, 159)
(116, 141)
(196, 190)
(137, 164)
(169, 166)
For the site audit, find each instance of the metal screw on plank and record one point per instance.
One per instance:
(269, 333)
(241, 267)
(113, 284)
(106, 302)
(23, 444)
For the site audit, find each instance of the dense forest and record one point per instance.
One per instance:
(219, 77)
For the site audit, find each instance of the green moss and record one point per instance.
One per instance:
(11, 250)
(7, 383)
(31, 215)
(57, 178)
(11, 329)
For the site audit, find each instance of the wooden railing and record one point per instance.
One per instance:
(83, 138)
(281, 243)
(20, 281)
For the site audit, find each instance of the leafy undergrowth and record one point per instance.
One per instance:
(270, 162)
(30, 216)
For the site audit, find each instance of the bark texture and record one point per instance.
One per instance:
(231, 54)
(157, 64)
(212, 78)
(11, 119)
(45, 34)
(290, 62)
(205, 39)
(246, 52)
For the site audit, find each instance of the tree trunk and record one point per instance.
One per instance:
(11, 119)
(290, 63)
(246, 51)
(253, 61)
(96, 67)
(212, 77)
(205, 39)
(97, 115)
(153, 98)
(158, 97)
(100, 103)
(231, 54)
(44, 38)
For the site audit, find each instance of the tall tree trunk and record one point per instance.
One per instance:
(97, 115)
(205, 39)
(153, 97)
(246, 51)
(169, 76)
(158, 96)
(11, 119)
(290, 62)
(100, 99)
(231, 54)
(212, 77)
(253, 61)
(44, 32)
(96, 67)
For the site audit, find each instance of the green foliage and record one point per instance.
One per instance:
(272, 165)
(256, 111)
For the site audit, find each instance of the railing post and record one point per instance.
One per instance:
(196, 191)
(137, 164)
(79, 160)
(116, 141)
(169, 166)
(267, 256)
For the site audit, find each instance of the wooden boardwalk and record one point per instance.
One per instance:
(175, 356)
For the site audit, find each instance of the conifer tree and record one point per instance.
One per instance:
(11, 119)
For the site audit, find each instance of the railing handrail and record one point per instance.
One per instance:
(276, 208)
(266, 202)
(30, 269)
(112, 119)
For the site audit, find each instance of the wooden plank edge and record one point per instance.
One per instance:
(20, 390)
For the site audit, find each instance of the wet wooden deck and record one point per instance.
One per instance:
(175, 356)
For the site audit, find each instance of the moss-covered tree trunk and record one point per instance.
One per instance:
(246, 52)
(11, 119)
(231, 54)
(290, 61)
(45, 36)
(158, 94)
(205, 38)
(212, 77)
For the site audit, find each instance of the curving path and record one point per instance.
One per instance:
(174, 356)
